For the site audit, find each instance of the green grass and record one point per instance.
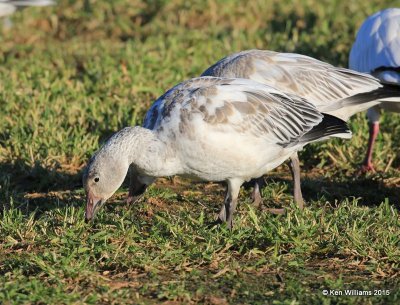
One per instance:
(73, 74)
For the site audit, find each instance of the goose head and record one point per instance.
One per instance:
(103, 176)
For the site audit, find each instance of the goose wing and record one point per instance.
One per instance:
(319, 82)
(233, 106)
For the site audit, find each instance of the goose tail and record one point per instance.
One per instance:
(329, 127)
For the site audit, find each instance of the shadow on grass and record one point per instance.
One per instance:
(24, 178)
(21, 177)
(40, 189)
(371, 191)
(37, 188)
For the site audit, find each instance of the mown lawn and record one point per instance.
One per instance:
(73, 74)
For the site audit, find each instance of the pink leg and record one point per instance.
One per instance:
(373, 133)
(295, 169)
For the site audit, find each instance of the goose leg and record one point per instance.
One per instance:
(373, 133)
(256, 193)
(295, 169)
(136, 188)
(229, 207)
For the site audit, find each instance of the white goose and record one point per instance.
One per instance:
(210, 129)
(377, 51)
(336, 91)
(8, 7)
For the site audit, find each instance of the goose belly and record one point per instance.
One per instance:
(218, 156)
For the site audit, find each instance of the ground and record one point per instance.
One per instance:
(73, 74)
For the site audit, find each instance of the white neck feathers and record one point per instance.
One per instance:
(144, 150)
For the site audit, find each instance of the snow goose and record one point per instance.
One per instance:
(210, 129)
(8, 7)
(377, 51)
(336, 91)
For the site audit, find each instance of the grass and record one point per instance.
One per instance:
(73, 74)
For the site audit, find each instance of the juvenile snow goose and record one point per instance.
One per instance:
(210, 129)
(336, 91)
(377, 51)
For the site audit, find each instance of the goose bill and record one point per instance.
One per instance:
(93, 204)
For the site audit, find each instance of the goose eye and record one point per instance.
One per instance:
(96, 179)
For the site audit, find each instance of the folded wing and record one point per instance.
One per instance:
(234, 106)
(319, 82)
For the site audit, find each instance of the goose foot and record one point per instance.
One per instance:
(275, 211)
(367, 168)
(229, 207)
(256, 193)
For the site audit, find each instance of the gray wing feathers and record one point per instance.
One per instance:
(286, 117)
(319, 82)
(242, 106)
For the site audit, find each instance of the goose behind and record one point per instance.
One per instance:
(336, 91)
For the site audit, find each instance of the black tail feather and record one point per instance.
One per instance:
(385, 68)
(386, 92)
(329, 126)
